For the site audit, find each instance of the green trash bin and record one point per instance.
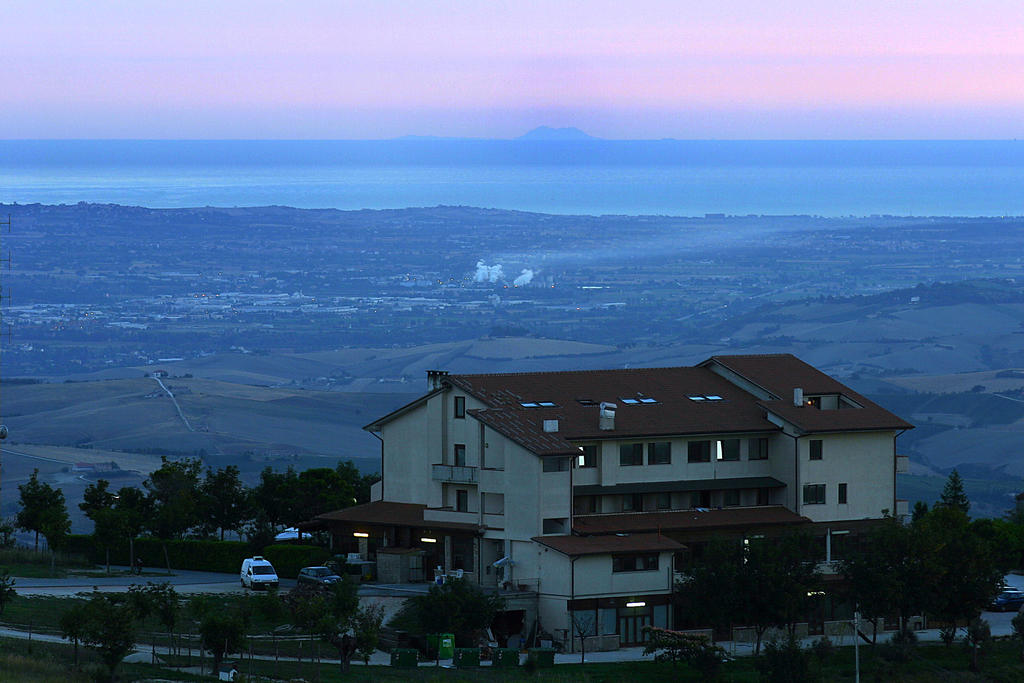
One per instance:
(404, 658)
(446, 645)
(542, 657)
(506, 658)
(466, 657)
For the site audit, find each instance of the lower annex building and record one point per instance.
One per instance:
(583, 493)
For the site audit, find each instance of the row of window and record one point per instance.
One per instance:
(660, 452)
(684, 500)
(814, 494)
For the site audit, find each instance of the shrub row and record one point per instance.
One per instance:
(289, 559)
(210, 556)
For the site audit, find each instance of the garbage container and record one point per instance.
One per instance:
(446, 646)
(542, 657)
(506, 658)
(466, 657)
(405, 658)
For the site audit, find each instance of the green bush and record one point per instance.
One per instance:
(289, 559)
(210, 556)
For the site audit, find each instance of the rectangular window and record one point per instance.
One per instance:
(842, 494)
(814, 494)
(764, 496)
(588, 458)
(586, 505)
(637, 562)
(556, 464)
(757, 449)
(460, 407)
(729, 449)
(461, 500)
(631, 454)
(731, 498)
(664, 501)
(815, 449)
(460, 455)
(698, 451)
(700, 499)
(632, 502)
(659, 453)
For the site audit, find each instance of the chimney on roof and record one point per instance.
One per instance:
(606, 419)
(434, 379)
(798, 397)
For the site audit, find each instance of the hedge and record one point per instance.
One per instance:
(289, 559)
(209, 556)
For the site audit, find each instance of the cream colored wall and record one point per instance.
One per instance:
(407, 458)
(864, 461)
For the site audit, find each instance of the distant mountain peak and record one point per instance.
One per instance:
(549, 133)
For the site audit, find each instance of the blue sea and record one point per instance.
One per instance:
(664, 177)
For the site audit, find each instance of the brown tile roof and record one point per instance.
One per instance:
(387, 513)
(577, 396)
(781, 373)
(599, 545)
(683, 520)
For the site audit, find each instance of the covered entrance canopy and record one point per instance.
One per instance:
(386, 532)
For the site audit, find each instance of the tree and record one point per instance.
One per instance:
(457, 607)
(225, 500)
(275, 495)
(695, 650)
(73, 625)
(222, 629)
(98, 505)
(133, 509)
(109, 627)
(1018, 632)
(766, 581)
(173, 494)
(43, 511)
(360, 483)
(894, 571)
(331, 614)
(320, 490)
(953, 493)
(366, 625)
(159, 599)
(7, 592)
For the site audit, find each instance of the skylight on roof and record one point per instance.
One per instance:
(648, 400)
(538, 404)
(700, 398)
(713, 397)
(630, 401)
(586, 401)
(529, 405)
(546, 404)
(697, 398)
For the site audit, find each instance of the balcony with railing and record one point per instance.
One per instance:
(456, 474)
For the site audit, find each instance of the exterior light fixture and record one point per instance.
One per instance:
(428, 540)
(360, 534)
(636, 604)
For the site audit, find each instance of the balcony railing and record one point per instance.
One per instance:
(454, 473)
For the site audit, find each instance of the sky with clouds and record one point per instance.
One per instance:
(479, 68)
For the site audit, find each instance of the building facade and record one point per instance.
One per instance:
(581, 494)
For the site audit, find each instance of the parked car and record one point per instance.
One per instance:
(1008, 600)
(257, 573)
(317, 576)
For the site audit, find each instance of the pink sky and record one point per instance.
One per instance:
(372, 69)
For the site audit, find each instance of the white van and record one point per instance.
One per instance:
(258, 573)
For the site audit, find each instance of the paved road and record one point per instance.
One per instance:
(184, 581)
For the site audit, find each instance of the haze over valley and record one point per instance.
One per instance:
(283, 331)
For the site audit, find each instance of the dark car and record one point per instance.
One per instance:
(317, 576)
(1007, 601)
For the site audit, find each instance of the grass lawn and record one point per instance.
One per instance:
(45, 662)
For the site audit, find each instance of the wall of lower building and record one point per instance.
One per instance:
(864, 461)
